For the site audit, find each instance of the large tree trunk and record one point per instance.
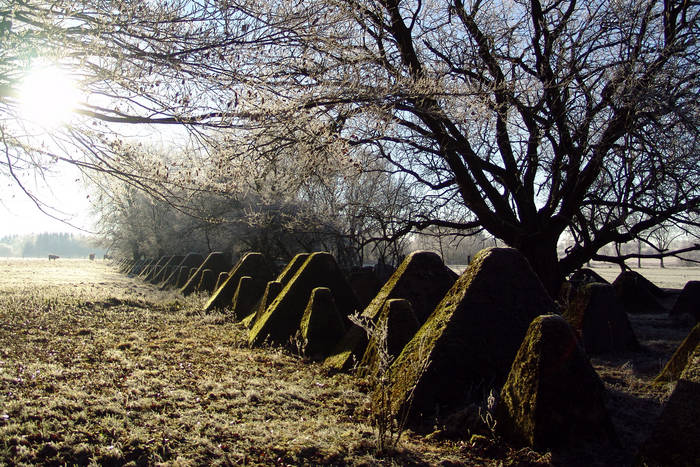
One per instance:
(541, 252)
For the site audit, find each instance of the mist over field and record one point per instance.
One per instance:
(41, 245)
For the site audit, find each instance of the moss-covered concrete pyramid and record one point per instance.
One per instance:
(471, 338)
(207, 280)
(598, 316)
(161, 274)
(586, 276)
(273, 288)
(679, 359)
(282, 318)
(157, 268)
(140, 266)
(553, 396)
(638, 294)
(396, 326)
(182, 277)
(321, 325)
(675, 440)
(147, 267)
(221, 279)
(247, 295)
(292, 267)
(190, 260)
(216, 261)
(688, 302)
(251, 264)
(422, 279)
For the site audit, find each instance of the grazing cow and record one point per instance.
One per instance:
(92, 256)
(53, 257)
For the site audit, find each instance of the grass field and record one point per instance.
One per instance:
(99, 368)
(670, 277)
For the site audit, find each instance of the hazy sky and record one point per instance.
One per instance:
(64, 192)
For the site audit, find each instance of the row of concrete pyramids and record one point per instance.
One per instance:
(493, 327)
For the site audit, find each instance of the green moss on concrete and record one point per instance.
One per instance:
(321, 325)
(679, 360)
(188, 261)
(272, 290)
(251, 264)
(207, 281)
(247, 295)
(147, 270)
(221, 279)
(291, 268)
(216, 261)
(281, 319)
(471, 338)
(167, 269)
(183, 275)
(674, 440)
(156, 269)
(553, 397)
(422, 279)
(396, 326)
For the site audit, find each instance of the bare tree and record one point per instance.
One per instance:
(524, 118)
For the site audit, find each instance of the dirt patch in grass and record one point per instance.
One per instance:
(99, 368)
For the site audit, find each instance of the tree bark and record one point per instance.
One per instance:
(541, 253)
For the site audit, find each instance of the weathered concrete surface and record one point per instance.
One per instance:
(162, 272)
(207, 280)
(396, 326)
(282, 318)
(638, 294)
(216, 261)
(247, 295)
(422, 279)
(675, 440)
(598, 316)
(253, 265)
(272, 289)
(190, 260)
(679, 360)
(688, 302)
(321, 325)
(471, 338)
(553, 397)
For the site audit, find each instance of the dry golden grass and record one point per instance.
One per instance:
(97, 368)
(672, 276)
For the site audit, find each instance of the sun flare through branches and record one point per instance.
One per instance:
(48, 95)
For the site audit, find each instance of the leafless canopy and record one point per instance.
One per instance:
(526, 118)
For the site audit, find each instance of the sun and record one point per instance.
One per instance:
(48, 95)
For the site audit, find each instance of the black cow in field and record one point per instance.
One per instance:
(53, 257)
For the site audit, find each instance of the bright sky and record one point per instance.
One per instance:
(47, 97)
(19, 215)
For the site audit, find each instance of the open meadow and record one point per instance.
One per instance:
(98, 368)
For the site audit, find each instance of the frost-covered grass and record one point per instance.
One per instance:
(99, 368)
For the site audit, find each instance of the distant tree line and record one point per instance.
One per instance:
(63, 244)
